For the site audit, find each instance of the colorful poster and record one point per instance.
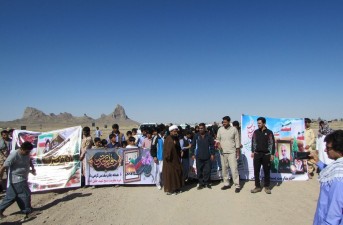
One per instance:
(119, 166)
(104, 166)
(55, 157)
(289, 139)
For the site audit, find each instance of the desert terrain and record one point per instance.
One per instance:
(289, 203)
(292, 202)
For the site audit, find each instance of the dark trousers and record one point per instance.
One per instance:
(203, 171)
(20, 193)
(185, 168)
(264, 160)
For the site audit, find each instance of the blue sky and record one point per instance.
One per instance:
(172, 61)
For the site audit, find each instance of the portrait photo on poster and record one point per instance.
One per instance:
(284, 152)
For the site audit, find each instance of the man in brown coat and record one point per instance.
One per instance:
(172, 169)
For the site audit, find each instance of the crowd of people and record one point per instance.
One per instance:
(172, 147)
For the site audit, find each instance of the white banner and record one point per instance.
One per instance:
(289, 139)
(55, 156)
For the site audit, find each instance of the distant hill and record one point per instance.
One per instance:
(33, 117)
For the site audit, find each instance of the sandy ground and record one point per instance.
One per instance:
(291, 202)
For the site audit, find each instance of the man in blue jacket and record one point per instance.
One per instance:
(156, 152)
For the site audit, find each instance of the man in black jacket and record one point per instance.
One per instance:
(262, 151)
(202, 151)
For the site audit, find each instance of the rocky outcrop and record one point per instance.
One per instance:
(33, 113)
(119, 113)
(117, 116)
(34, 116)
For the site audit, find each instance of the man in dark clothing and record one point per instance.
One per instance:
(186, 144)
(202, 151)
(119, 140)
(172, 169)
(262, 151)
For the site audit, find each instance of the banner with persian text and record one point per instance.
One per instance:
(289, 136)
(55, 156)
(119, 166)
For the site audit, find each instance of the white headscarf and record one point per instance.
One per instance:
(331, 172)
(173, 127)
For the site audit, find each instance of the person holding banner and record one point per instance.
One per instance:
(330, 201)
(119, 137)
(87, 143)
(229, 146)
(5, 149)
(172, 169)
(19, 163)
(262, 152)
(132, 142)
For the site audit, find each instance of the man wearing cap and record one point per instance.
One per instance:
(19, 163)
(172, 169)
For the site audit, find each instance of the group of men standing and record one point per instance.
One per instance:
(202, 150)
(229, 144)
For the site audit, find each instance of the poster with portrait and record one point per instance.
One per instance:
(55, 157)
(289, 139)
(284, 155)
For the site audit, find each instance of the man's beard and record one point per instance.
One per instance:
(175, 138)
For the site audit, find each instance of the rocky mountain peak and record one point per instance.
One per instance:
(119, 113)
(33, 113)
(33, 117)
(65, 116)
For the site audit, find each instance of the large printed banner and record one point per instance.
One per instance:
(55, 156)
(119, 166)
(289, 136)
